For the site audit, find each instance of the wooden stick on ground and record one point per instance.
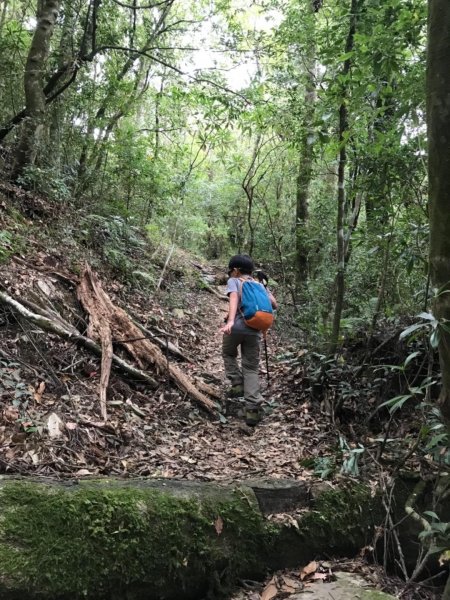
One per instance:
(163, 343)
(213, 291)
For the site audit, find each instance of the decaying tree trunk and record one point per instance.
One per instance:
(91, 296)
(438, 111)
(110, 320)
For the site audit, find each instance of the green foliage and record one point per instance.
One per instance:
(326, 466)
(14, 237)
(6, 245)
(117, 241)
(132, 138)
(45, 181)
(351, 457)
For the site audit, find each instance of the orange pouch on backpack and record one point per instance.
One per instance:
(261, 320)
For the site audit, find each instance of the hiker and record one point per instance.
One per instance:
(237, 333)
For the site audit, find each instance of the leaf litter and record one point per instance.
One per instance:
(148, 433)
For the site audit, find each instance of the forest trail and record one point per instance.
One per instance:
(229, 449)
(155, 433)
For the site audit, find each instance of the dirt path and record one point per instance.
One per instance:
(226, 448)
(149, 433)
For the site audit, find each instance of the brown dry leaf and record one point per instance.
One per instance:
(82, 472)
(309, 569)
(218, 525)
(18, 437)
(10, 414)
(321, 576)
(55, 426)
(39, 391)
(270, 591)
(290, 585)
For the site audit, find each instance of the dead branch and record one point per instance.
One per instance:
(50, 314)
(169, 256)
(208, 389)
(153, 320)
(211, 290)
(50, 326)
(164, 344)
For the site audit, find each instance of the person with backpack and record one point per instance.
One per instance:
(250, 313)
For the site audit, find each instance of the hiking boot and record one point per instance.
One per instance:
(253, 416)
(236, 391)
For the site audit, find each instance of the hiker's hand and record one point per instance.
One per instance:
(227, 327)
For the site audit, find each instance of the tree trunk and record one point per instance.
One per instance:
(248, 186)
(306, 161)
(65, 56)
(438, 110)
(3, 15)
(33, 128)
(342, 201)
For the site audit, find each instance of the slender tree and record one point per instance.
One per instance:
(341, 192)
(304, 174)
(438, 115)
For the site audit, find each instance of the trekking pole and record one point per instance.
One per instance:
(267, 357)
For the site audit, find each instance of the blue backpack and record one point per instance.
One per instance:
(256, 307)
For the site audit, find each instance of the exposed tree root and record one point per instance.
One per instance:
(108, 323)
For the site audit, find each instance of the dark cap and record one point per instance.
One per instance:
(243, 262)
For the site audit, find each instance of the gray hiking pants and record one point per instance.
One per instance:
(249, 375)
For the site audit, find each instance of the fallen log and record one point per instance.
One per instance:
(208, 389)
(50, 326)
(211, 290)
(166, 539)
(49, 314)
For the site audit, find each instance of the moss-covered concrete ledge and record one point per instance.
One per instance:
(135, 539)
